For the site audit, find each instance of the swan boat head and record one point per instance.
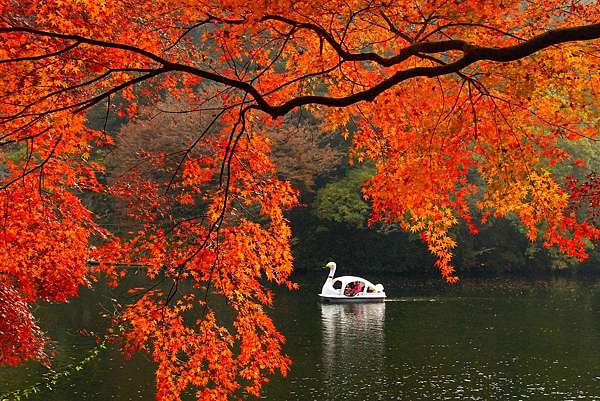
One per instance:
(349, 288)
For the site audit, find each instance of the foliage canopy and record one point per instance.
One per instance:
(432, 92)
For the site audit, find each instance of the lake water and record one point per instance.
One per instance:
(480, 340)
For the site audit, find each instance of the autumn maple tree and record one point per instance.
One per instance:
(460, 105)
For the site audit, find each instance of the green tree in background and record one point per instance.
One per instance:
(342, 201)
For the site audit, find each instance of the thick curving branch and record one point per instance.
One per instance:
(470, 55)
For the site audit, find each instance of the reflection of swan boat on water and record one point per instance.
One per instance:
(352, 323)
(349, 288)
(354, 346)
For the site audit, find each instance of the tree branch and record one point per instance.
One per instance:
(471, 55)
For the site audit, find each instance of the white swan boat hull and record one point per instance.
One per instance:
(379, 297)
(349, 289)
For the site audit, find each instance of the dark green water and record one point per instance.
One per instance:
(480, 340)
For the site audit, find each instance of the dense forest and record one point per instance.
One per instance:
(332, 221)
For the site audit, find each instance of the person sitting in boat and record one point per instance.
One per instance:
(353, 288)
(349, 290)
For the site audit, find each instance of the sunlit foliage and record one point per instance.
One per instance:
(435, 94)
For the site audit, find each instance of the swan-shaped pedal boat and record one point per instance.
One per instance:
(349, 288)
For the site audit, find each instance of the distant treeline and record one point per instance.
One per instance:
(498, 249)
(332, 224)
